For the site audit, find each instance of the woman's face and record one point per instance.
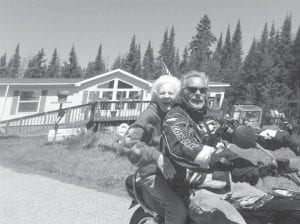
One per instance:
(165, 95)
(195, 92)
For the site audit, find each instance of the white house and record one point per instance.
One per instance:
(27, 96)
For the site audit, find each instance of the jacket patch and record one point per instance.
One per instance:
(182, 138)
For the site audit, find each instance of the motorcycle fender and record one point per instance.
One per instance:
(133, 203)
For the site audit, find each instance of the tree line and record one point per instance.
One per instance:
(268, 73)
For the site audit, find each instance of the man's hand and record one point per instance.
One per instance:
(166, 167)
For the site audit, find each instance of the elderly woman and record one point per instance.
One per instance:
(143, 143)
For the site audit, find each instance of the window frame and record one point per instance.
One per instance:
(38, 101)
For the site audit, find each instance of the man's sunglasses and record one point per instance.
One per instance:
(202, 90)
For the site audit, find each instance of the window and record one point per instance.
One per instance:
(93, 96)
(107, 85)
(107, 95)
(123, 85)
(121, 95)
(29, 101)
(133, 95)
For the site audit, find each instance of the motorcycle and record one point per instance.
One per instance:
(279, 206)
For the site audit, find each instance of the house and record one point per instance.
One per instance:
(21, 97)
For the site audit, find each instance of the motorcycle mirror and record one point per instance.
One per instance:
(244, 137)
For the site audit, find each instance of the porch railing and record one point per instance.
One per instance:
(76, 116)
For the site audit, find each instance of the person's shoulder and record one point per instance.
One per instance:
(176, 113)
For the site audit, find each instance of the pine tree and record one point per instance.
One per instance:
(132, 58)
(201, 44)
(3, 66)
(184, 64)
(36, 67)
(215, 65)
(71, 69)
(89, 71)
(118, 63)
(54, 66)
(170, 60)
(99, 66)
(296, 68)
(176, 64)
(164, 48)
(226, 57)
(14, 64)
(139, 61)
(148, 63)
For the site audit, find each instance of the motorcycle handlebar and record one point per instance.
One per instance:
(282, 169)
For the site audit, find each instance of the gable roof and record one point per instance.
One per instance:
(110, 73)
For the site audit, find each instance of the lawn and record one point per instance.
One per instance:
(71, 162)
(79, 161)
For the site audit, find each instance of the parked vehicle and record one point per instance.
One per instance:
(280, 206)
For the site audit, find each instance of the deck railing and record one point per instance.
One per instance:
(76, 116)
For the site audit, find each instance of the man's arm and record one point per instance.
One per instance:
(182, 145)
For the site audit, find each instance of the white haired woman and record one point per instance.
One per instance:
(143, 139)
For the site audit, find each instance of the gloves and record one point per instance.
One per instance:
(223, 160)
(242, 170)
(250, 175)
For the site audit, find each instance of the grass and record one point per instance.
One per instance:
(73, 162)
(79, 161)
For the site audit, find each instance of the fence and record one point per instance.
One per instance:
(108, 112)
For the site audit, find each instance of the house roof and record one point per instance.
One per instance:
(79, 82)
(38, 81)
(109, 73)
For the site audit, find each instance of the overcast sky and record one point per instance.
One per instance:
(36, 24)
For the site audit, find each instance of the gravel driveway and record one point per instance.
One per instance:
(34, 199)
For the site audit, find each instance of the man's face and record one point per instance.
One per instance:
(166, 94)
(196, 91)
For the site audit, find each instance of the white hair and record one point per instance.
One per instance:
(197, 74)
(165, 79)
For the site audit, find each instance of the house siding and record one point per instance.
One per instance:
(49, 101)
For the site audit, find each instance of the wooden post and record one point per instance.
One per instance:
(59, 117)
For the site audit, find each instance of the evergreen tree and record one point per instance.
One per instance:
(296, 68)
(184, 64)
(201, 44)
(249, 74)
(176, 64)
(14, 64)
(3, 66)
(148, 63)
(54, 66)
(170, 60)
(119, 62)
(132, 59)
(215, 66)
(89, 71)
(226, 57)
(234, 67)
(139, 61)
(99, 66)
(36, 67)
(71, 69)
(164, 48)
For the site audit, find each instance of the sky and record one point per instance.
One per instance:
(49, 24)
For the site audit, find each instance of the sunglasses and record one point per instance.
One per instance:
(202, 90)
